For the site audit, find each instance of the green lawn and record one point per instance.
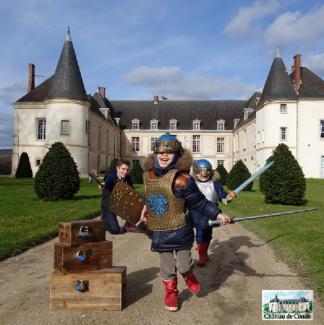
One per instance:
(297, 239)
(26, 221)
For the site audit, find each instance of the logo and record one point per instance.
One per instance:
(158, 204)
(287, 304)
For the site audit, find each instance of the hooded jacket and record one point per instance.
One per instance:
(184, 186)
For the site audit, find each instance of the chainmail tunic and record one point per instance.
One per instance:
(164, 210)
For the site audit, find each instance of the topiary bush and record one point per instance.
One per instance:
(238, 174)
(137, 174)
(112, 166)
(284, 182)
(223, 174)
(24, 170)
(57, 177)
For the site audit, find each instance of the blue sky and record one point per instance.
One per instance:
(180, 49)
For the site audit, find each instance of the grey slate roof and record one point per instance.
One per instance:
(39, 93)
(184, 111)
(278, 84)
(312, 86)
(67, 82)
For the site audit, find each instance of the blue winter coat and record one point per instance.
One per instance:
(183, 238)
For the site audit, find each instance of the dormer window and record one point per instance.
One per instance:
(220, 125)
(283, 108)
(196, 125)
(135, 124)
(154, 124)
(173, 124)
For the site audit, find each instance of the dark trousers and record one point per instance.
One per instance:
(107, 216)
(111, 222)
(203, 235)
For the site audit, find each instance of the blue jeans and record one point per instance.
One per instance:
(111, 222)
(107, 216)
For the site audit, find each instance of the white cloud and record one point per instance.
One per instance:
(245, 22)
(173, 83)
(316, 63)
(294, 28)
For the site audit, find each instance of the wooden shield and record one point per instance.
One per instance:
(126, 203)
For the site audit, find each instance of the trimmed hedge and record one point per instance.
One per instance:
(57, 177)
(24, 169)
(284, 182)
(238, 174)
(223, 174)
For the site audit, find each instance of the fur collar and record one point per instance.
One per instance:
(184, 162)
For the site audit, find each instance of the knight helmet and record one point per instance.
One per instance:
(203, 167)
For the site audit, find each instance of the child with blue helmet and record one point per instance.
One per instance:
(170, 191)
(207, 182)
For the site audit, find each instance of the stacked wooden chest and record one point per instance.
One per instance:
(84, 277)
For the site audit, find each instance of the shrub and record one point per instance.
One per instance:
(137, 174)
(223, 174)
(112, 166)
(57, 177)
(284, 182)
(24, 170)
(238, 174)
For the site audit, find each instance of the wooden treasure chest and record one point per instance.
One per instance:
(93, 290)
(81, 231)
(85, 257)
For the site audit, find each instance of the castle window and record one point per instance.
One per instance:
(41, 128)
(135, 144)
(196, 143)
(153, 139)
(220, 162)
(196, 125)
(283, 108)
(173, 124)
(135, 124)
(220, 145)
(322, 129)
(154, 125)
(220, 125)
(65, 127)
(283, 134)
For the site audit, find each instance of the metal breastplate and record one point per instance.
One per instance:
(164, 210)
(207, 188)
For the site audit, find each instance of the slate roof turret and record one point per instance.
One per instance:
(67, 82)
(278, 84)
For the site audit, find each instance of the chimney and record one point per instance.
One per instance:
(155, 99)
(31, 77)
(102, 91)
(297, 70)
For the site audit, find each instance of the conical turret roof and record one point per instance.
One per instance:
(278, 84)
(67, 81)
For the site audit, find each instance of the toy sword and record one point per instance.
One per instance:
(92, 176)
(233, 194)
(260, 216)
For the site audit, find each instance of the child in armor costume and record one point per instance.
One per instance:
(207, 182)
(169, 190)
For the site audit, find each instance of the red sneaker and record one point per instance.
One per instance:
(192, 282)
(171, 294)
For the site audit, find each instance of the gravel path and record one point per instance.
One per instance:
(241, 266)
